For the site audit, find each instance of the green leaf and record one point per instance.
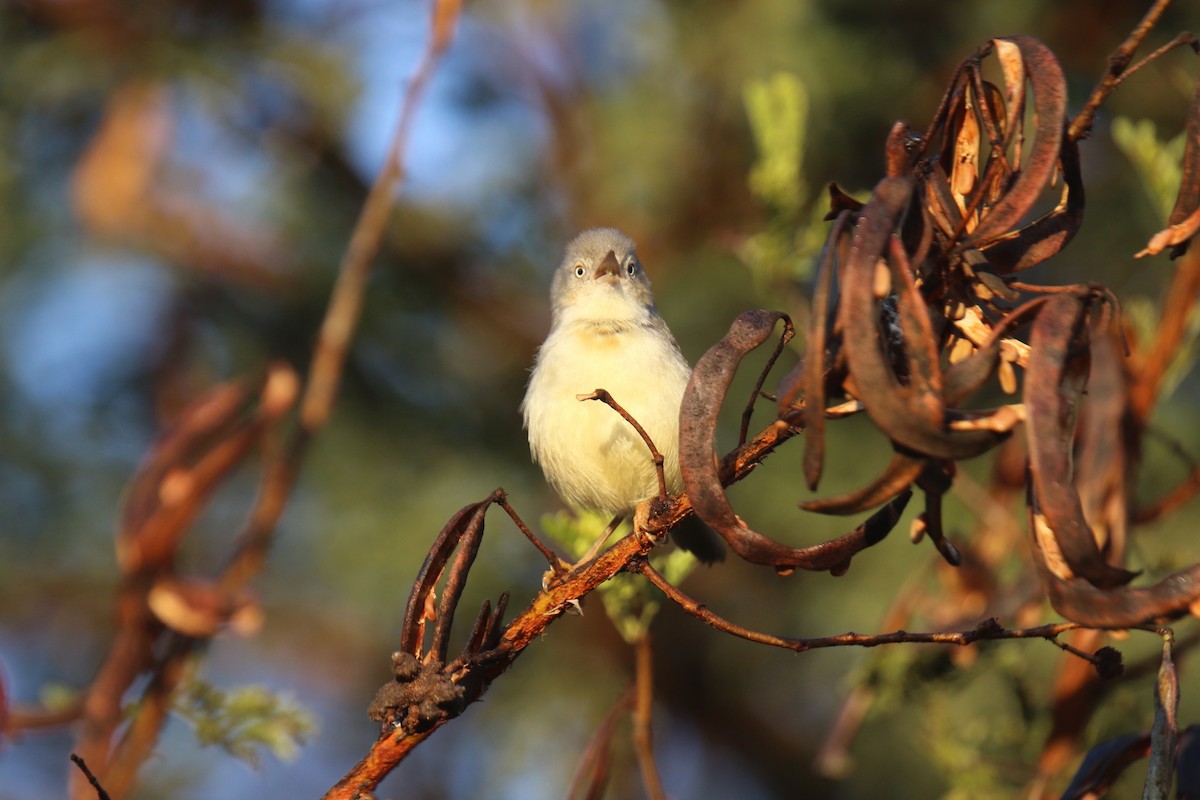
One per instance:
(245, 721)
(630, 601)
(777, 109)
(1156, 162)
(778, 112)
(578, 532)
(58, 696)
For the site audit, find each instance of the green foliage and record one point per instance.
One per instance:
(630, 601)
(969, 719)
(1157, 162)
(778, 112)
(245, 721)
(970, 750)
(777, 109)
(57, 696)
(577, 532)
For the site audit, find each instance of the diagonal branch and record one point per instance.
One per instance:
(395, 744)
(1118, 62)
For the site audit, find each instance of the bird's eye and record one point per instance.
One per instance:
(580, 271)
(631, 267)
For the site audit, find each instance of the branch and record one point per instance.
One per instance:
(643, 735)
(1172, 327)
(988, 630)
(899, 382)
(557, 565)
(395, 744)
(604, 397)
(343, 312)
(143, 644)
(24, 718)
(91, 779)
(380, 760)
(1181, 40)
(744, 428)
(345, 304)
(591, 776)
(1081, 125)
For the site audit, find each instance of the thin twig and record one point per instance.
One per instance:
(136, 633)
(1081, 125)
(604, 397)
(833, 759)
(1184, 38)
(1173, 445)
(591, 775)
(744, 429)
(601, 540)
(24, 718)
(343, 312)
(281, 467)
(988, 630)
(1181, 493)
(556, 563)
(643, 712)
(91, 779)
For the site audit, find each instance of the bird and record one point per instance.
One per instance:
(607, 333)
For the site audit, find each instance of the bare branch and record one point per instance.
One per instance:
(591, 776)
(744, 429)
(1081, 125)
(1151, 366)
(604, 397)
(91, 779)
(345, 304)
(988, 630)
(643, 711)
(557, 565)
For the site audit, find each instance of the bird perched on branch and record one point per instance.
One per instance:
(606, 333)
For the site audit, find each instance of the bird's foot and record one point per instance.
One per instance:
(641, 522)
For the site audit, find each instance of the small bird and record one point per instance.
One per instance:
(606, 333)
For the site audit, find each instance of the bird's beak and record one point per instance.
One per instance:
(609, 270)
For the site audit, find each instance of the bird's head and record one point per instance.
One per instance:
(600, 278)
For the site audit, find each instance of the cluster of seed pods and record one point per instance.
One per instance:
(916, 306)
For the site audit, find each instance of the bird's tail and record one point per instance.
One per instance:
(698, 539)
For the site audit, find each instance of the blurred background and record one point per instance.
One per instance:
(178, 181)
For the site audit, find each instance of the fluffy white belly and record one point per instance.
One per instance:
(592, 457)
